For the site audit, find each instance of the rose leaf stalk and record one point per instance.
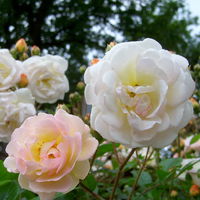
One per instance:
(115, 152)
(119, 173)
(91, 192)
(139, 174)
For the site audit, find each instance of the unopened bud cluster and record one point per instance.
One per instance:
(110, 46)
(21, 51)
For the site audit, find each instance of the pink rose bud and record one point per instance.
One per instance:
(94, 61)
(23, 80)
(21, 45)
(51, 153)
(35, 51)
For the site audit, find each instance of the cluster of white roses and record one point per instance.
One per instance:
(44, 81)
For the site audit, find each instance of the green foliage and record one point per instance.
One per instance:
(195, 139)
(154, 183)
(170, 163)
(90, 182)
(105, 148)
(9, 187)
(9, 190)
(145, 178)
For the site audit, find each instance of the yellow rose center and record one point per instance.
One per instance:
(45, 146)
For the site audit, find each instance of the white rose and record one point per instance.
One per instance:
(139, 94)
(15, 107)
(47, 80)
(9, 70)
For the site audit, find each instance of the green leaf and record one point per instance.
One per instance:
(104, 148)
(170, 163)
(145, 179)
(9, 190)
(130, 165)
(5, 175)
(126, 181)
(9, 187)
(26, 195)
(90, 182)
(161, 174)
(56, 196)
(195, 139)
(188, 166)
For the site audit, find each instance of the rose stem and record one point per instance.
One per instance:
(157, 155)
(119, 173)
(139, 174)
(179, 146)
(116, 154)
(93, 158)
(91, 192)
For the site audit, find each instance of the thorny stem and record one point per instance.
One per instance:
(139, 174)
(91, 192)
(119, 173)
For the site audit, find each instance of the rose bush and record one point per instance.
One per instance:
(51, 153)
(9, 70)
(47, 80)
(139, 94)
(15, 107)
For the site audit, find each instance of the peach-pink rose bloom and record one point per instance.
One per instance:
(51, 153)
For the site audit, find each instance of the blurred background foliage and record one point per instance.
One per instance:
(80, 30)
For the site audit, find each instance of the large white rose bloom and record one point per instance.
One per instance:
(47, 80)
(15, 107)
(139, 94)
(9, 70)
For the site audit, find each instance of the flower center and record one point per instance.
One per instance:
(142, 104)
(53, 153)
(45, 148)
(136, 99)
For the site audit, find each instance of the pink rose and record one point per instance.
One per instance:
(51, 153)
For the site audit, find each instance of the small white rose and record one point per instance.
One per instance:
(47, 80)
(15, 107)
(9, 70)
(139, 94)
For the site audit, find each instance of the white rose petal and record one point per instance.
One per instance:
(9, 70)
(47, 80)
(139, 94)
(15, 107)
